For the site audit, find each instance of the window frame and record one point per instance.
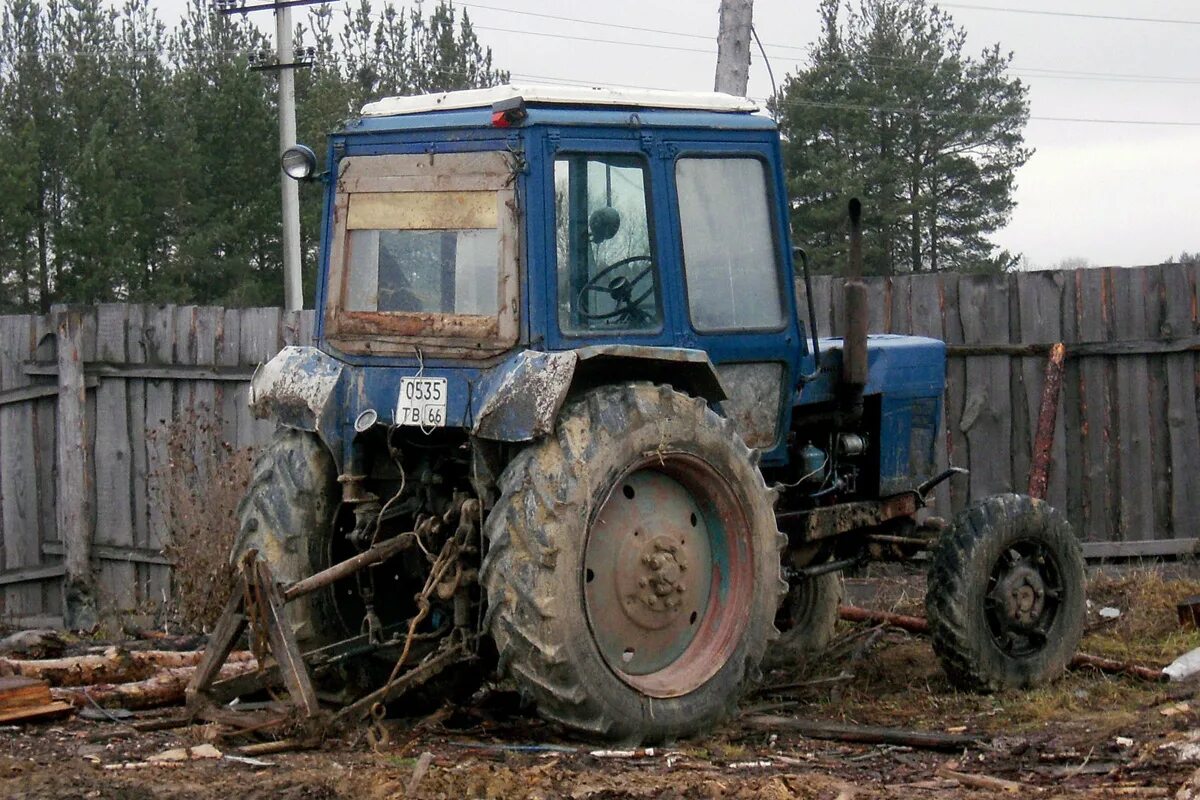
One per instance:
(603, 150)
(773, 222)
(398, 332)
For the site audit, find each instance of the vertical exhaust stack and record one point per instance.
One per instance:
(858, 315)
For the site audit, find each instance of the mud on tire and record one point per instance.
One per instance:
(535, 569)
(1005, 599)
(287, 516)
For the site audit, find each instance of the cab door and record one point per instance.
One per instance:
(728, 211)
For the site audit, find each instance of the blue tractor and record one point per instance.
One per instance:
(560, 373)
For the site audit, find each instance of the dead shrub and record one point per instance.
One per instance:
(1147, 630)
(197, 491)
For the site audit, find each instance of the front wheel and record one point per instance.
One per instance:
(1006, 594)
(633, 572)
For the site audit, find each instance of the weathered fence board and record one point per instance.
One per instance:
(1125, 457)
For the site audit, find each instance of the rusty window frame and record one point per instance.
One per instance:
(401, 332)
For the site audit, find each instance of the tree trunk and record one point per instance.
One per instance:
(164, 689)
(115, 665)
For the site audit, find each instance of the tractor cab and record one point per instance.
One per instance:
(632, 234)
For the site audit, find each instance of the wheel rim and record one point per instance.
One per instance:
(1024, 596)
(668, 574)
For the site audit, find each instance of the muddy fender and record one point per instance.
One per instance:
(297, 388)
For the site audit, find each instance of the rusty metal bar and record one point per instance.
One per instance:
(376, 555)
(822, 523)
(1043, 440)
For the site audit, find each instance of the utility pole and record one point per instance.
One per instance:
(284, 64)
(292, 296)
(733, 47)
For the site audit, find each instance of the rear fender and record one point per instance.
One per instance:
(523, 397)
(299, 389)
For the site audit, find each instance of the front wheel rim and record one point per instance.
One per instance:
(668, 574)
(1024, 597)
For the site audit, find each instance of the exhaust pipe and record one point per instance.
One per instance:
(858, 315)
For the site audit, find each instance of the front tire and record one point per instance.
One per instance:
(633, 573)
(1005, 599)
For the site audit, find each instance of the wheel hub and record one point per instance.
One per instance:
(1023, 599)
(649, 571)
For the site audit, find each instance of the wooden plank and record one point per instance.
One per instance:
(110, 552)
(259, 342)
(1022, 422)
(1132, 391)
(24, 621)
(159, 335)
(956, 378)
(1083, 349)
(986, 417)
(823, 294)
(45, 434)
(185, 353)
(283, 645)
(9, 577)
(1154, 302)
(924, 317)
(1182, 449)
(900, 305)
(229, 627)
(18, 472)
(135, 391)
(112, 460)
(40, 391)
(227, 356)
(1093, 314)
(74, 478)
(1146, 548)
(204, 396)
(171, 372)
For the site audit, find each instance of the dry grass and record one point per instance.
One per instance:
(198, 493)
(901, 682)
(1148, 629)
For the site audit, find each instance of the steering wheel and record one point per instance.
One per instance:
(620, 289)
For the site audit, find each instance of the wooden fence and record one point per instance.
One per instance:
(1126, 464)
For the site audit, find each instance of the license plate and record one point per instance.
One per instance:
(422, 402)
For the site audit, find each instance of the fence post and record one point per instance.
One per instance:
(71, 510)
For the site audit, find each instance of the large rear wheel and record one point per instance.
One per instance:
(287, 515)
(633, 569)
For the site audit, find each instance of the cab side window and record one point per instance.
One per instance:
(607, 275)
(729, 254)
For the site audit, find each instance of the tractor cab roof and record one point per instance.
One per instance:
(564, 105)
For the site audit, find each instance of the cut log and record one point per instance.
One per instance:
(115, 665)
(164, 689)
(902, 621)
(864, 734)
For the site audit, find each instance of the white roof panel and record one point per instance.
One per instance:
(560, 95)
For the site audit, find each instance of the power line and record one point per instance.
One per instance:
(598, 41)
(1074, 14)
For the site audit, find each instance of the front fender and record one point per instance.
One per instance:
(522, 398)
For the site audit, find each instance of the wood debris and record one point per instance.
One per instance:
(27, 699)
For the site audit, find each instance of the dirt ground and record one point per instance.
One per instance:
(1088, 735)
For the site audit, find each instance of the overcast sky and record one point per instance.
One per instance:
(1109, 192)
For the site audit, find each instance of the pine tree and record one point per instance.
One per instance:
(891, 110)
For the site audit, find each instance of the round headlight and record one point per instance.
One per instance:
(298, 162)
